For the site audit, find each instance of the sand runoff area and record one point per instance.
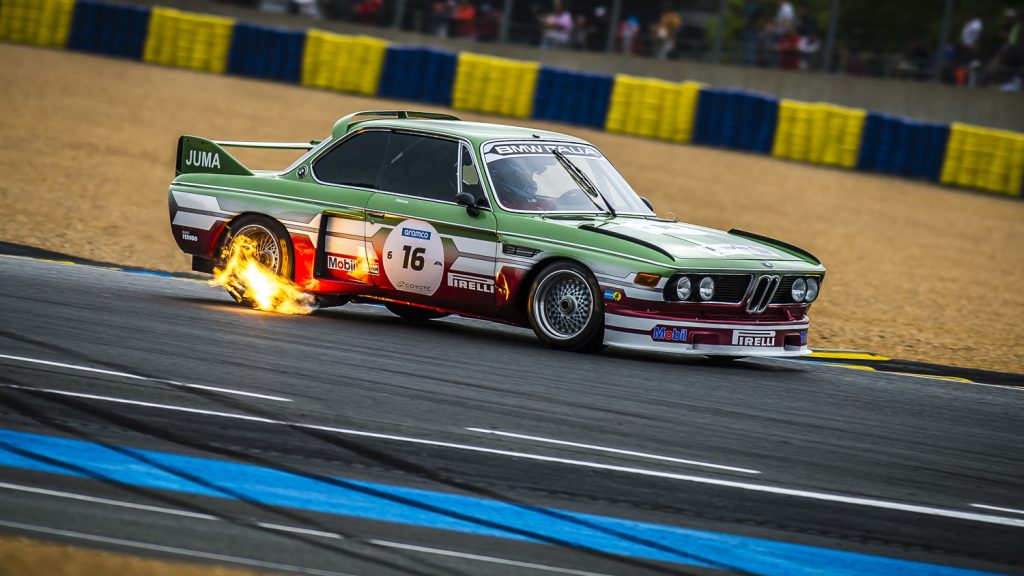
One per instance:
(916, 271)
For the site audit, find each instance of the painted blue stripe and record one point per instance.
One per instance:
(427, 508)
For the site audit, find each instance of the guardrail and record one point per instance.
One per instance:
(848, 138)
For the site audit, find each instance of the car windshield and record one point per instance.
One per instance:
(528, 176)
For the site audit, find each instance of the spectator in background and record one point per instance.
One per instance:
(463, 20)
(597, 30)
(440, 12)
(556, 26)
(1010, 58)
(369, 11)
(627, 34)
(309, 8)
(580, 29)
(788, 48)
(965, 57)
(667, 30)
(753, 12)
(785, 18)
(488, 23)
(809, 45)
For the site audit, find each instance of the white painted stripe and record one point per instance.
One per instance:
(306, 531)
(196, 201)
(763, 488)
(193, 220)
(998, 508)
(93, 499)
(136, 377)
(614, 450)
(489, 559)
(170, 549)
(487, 248)
(473, 266)
(636, 323)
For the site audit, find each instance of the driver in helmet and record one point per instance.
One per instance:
(516, 187)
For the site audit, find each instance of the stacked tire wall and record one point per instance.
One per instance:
(685, 112)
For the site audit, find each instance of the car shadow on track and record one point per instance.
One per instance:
(480, 332)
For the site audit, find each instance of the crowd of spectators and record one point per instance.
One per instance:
(781, 34)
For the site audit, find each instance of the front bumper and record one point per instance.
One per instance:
(677, 336)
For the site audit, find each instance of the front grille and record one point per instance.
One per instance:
(784, 295)
(729, 288)
(762, 294)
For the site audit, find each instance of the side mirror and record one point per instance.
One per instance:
(466, 199)
(647, 203)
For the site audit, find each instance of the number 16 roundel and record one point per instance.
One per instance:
(414, 257)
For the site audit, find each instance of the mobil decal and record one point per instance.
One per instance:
(342, 263)
(668, 334)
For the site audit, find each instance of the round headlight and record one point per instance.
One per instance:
(812, 289)
(683, 288)
(707, 288)
(799, 290)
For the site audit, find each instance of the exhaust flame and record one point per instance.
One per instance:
(249, 281)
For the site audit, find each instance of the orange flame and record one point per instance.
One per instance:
(249, 281)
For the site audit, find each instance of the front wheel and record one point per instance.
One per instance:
(565, 309)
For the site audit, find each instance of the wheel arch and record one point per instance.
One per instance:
(522, 294)
(220, 243)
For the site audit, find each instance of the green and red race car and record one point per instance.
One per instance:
(432, 215)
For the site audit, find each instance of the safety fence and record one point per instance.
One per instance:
(815, 132)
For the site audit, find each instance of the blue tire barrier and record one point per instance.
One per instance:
(266, 52)
(893, 145)
(110, 29)
(736, 119)
(572, 97)
(419, 74)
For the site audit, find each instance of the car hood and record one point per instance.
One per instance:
(688, 242)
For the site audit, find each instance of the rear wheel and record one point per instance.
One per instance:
(413, 313)
(565, 309)
(262, 239)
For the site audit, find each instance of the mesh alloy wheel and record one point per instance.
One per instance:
(268, 247)
(564, 304)
(564, 307)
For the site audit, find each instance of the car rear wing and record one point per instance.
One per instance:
(196, 154)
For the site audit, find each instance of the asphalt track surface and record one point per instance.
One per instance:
(151, 415)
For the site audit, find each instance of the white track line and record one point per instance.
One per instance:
(613, 450)
(823, 496)
(304, 531)
(120, 503)
(998, 508)
(137, 377)
(171, 549)
(492, 560)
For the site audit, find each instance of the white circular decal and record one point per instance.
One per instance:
(414, 257)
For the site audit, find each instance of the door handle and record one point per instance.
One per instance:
(374, 214)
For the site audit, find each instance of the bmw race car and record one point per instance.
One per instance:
(431, 215)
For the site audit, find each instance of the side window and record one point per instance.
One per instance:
(421, 166)
(354, 162)
(470, 176)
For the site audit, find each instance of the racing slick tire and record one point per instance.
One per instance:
(274, 248)
(413, 313)
(565, 308)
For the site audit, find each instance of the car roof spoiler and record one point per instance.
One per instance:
(343, 125)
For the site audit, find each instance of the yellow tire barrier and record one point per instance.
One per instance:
(495, 85)
(653, 108)
(343, 63)
(36, 22)
(188, 40)
(984, 158)
(819, 133)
